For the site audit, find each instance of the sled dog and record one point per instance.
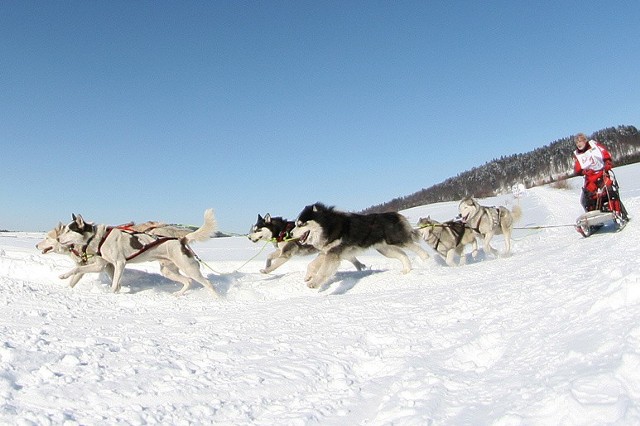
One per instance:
(50, 244)
(340, 235)
(448, 238)
(115, 246)
(278, 231)
(489, 221)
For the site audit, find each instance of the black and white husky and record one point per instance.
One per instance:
(114, 247)
(339, 235)
(278, 231)
(489, 221)
(448, 238)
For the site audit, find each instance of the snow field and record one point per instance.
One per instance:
(548, 335)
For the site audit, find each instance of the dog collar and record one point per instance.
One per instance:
(82, 255)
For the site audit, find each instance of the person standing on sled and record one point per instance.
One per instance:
(593, 161)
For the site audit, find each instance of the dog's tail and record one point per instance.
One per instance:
(204, 232)
(516, 213)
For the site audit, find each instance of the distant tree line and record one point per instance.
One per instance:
(548, 164)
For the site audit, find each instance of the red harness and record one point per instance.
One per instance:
(84, 256)
(286, 232)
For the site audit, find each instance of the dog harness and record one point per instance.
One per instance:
(456, 229)
(494, 219)
(84, 255)
(285, 234)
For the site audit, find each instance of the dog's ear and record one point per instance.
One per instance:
(267, 218)
(78, 220)
(259, 218)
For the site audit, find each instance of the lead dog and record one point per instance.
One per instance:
(50, 244)
(278, 231)
(489, 221)
(448, 238)
(338, 235)
(114, 246)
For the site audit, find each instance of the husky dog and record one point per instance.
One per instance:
(340, 235)
(50, 244)
(448, 238)
(278, 231)
(115, 246)
(489, 221)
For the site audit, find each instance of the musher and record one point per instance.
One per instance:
(593, 161)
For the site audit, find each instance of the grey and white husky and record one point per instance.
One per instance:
(339, 235)
(278, 231)
(50, 244)
(448, 238)
(489, 221)
(116, 247)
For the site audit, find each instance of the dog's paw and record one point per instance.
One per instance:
(312, 284)
(263, 271)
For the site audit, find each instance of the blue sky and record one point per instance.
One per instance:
(146, 110)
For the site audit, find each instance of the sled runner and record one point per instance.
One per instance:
(591, 222)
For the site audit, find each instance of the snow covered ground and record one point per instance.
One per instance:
(549, 335)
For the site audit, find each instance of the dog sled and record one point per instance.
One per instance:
(603, 213)
(591, 222)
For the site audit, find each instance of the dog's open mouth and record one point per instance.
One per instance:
(46, 250)
(304, 237)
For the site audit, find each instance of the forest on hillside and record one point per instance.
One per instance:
(544, 165)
